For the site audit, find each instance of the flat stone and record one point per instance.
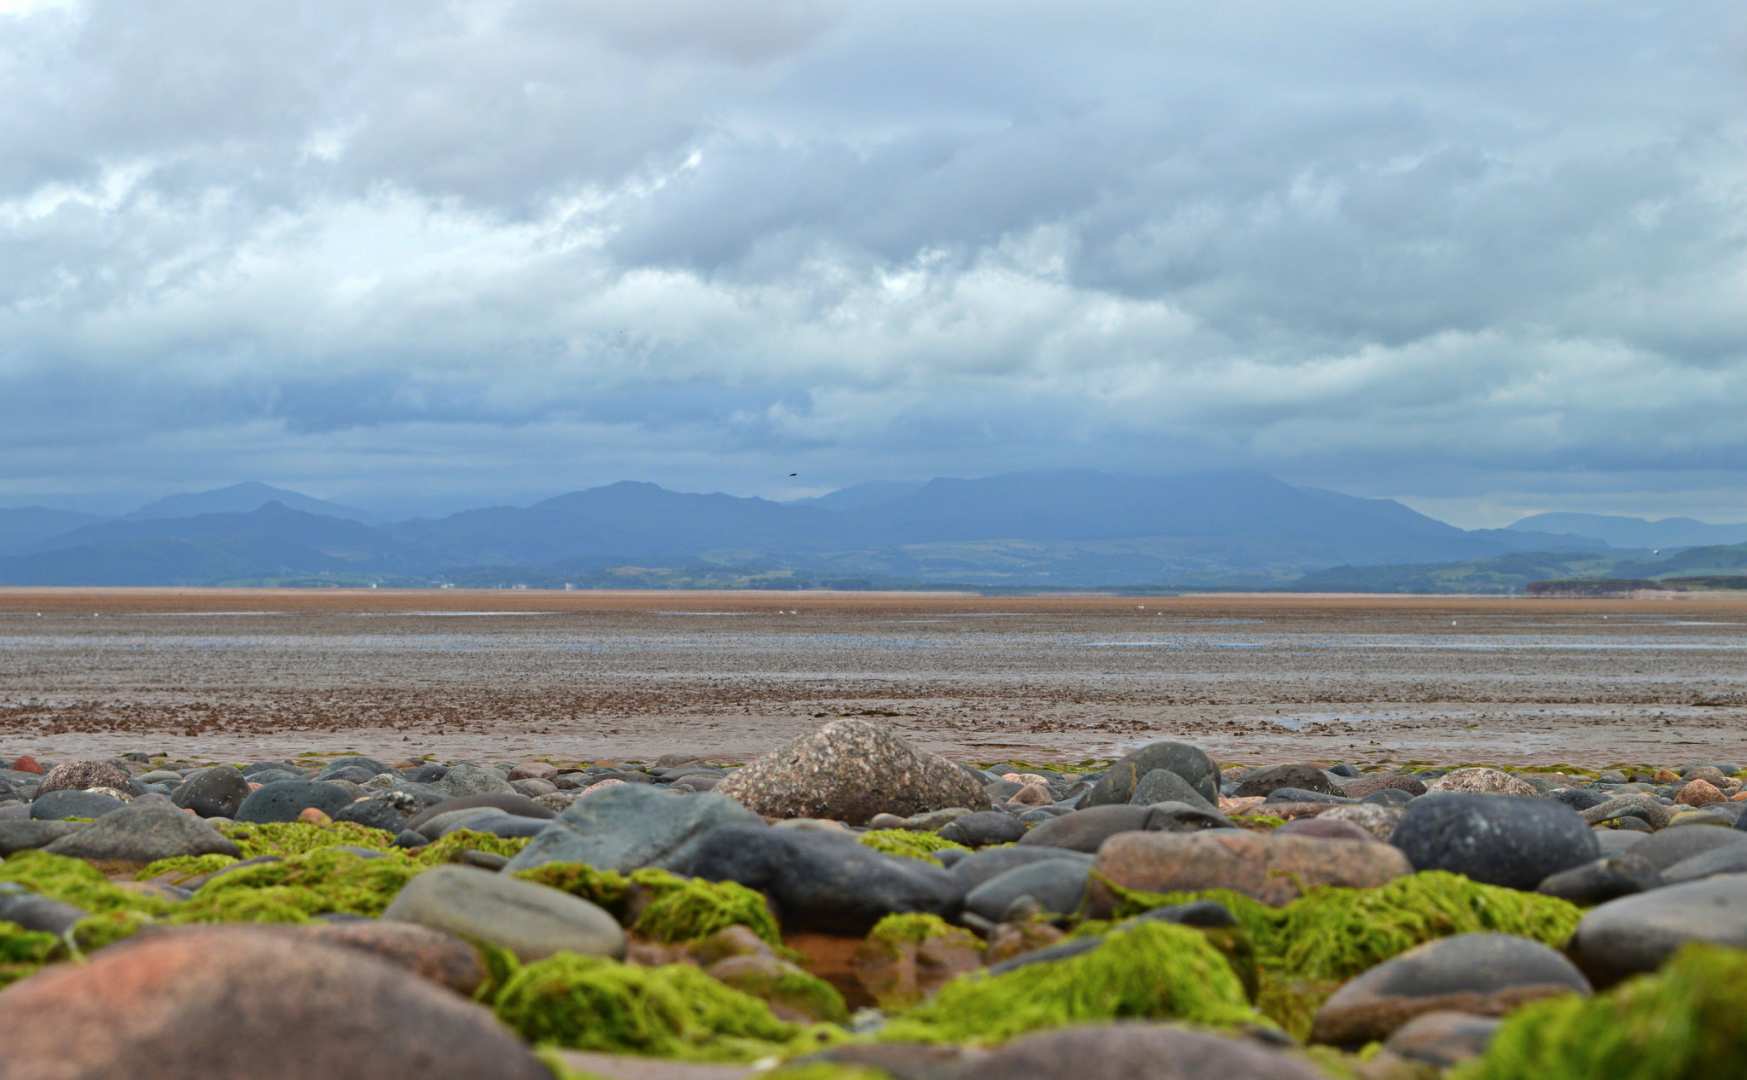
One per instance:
(143, 834)
(1443, 1039)
(67, 803)
(283, 800)
(530, 920)
(850, 770)
(1482, 974)
(33, 912)
(1647, 808)
(1085, 830)
(1361, 786)
(1608, 878)
(1058, 886)
(1302, 777)
(819, 881)
(1129, 1051)
(983, 828)
(1670, 846)
(1496, 839)
(1723, 860)
(630, 826)
(1272, 869)
(1636, 934)
(1326, 828)
(242, 1001)
(1189, 762)
(980, 866)
(26, 835)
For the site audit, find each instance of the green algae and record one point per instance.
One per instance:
(322, 881)
(24, 952)
(894, 932)
(1150, 971)
(1685, 1022)
(825, 1070)
(1307, 948)
(674, 1011)
(792, 989)
(660, 906)
(909, 844)
(1257, 821)
(449, 848)
(299, 837)
(96, 931)
(182, 868)
(76, 882)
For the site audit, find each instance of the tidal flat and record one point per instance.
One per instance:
(246, 674)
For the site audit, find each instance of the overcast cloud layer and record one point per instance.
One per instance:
(1490, 257)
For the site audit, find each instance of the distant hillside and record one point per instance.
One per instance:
(1063, 529)
(242, 499)
(269, 543)
(1631, 532)
(24, 527)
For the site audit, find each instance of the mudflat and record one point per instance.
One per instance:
(248, 674)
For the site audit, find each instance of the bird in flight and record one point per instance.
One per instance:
(794, 474)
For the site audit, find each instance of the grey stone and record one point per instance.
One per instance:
(1300, 795)
(1489, 974)
(1189, 762)
(368, 765)
(64, 803)
(144, 833)
(983, 828)
(32, 912)
(1605, 879)
(1723, 860)
(1651, 810)
(979, 866)
(1162, 786)
(215, 792)
(389, 811)
(509, 802)
(850, 770)
(1618, 841)
(466, 779)
(1085, 830)
(492, 822)
(1662, 850)
(531, 920)
(819, 881)
(1636, 934)
(1058, 886)
(1128, 1051)
(283, 800)
(1274, 777)
(629, 826)
(1443, 1039)
(29, 834)
(1496, 839)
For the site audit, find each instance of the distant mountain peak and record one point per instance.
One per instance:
(242, 498)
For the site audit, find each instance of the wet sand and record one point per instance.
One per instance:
(242, 674)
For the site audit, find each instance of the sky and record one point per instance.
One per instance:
(1489, 258)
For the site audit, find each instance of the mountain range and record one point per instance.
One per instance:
(1063, 529)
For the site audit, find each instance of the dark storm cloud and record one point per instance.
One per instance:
(1453, 253)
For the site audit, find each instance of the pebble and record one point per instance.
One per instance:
(68, 803)
(630, 826)
(1057, 885)
(144, 833)
(283, 800)
(530, 920)
(1130, 1051)
(850, 770)
(240, 1001)
(1636, 934)
(1188, 762)
(1272, 869)
(1499, 840)
(1483, 974)
(1300, 777)
(215, 792)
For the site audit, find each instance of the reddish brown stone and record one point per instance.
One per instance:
(1699, 793)
(900, 974)
(1273, 869)
(27, 764)
(235, 1001)
(1325, 828)
(430, 954)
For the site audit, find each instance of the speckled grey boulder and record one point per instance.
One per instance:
(84, 775)
(850, 770)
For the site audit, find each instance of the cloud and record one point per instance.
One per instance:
(1453, 254)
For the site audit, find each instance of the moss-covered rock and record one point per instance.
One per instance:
(23, 952)
(1687, 1022)
(96, 931)
(909, 844)
(1149, 971)
(448, 848)
(337, 881)
(790, 991)
(1307, 948)
(675, 1011)
(76, 882)
(907, 957)
(298, 837)
(660, 906)
(182, 868)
